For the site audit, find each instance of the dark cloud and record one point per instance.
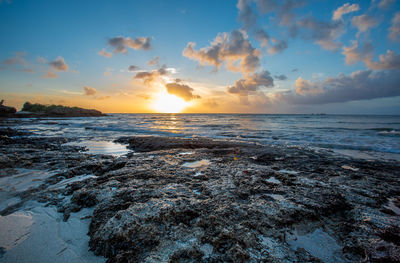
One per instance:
(149, 77)
(363, 23)
(120, 44)
(181, 90)
(89, 91)
(388, 61)
(286, 15)
(280, 77)
(246, 14)
(263, 37)
(59, 64)
(251, 83)
(323, 33)
(385, 4)
(360, 85)
(133, 68)
(228, 50)
(266, 6)
(278, 47)
(154, 61)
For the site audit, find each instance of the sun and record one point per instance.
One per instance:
(167, 103)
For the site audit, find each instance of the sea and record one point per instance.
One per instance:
(358, 136)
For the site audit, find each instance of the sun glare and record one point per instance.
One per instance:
(167, 103)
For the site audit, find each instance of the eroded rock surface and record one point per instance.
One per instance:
(248, 203)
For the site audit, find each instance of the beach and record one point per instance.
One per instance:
(191, 199)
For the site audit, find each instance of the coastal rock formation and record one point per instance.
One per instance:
(39, 110)
(201, 200)
(6, 111)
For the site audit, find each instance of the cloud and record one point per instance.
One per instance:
(345, 9)
(133, 68)
(360, 85)
(363, 23)
(389, 61)
(49, 75)
(181, 90)
(285, 11)
(279, 47)
(120, 44)
(246, 15)
(104, 53)
(150, 77)
(153, 62)
(18, 59)
(324, 33)
(354, 53)
(59, 64)
(395, 28)
(280, 77)
(251, 83)
(263, 37)
(89, 91)
(228, 50)
(385, 4)
(295, 70)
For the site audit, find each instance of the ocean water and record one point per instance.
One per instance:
(361, 136)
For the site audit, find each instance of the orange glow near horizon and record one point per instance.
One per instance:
(167, 103)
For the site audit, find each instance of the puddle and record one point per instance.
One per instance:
(196, 164)
(273, 180)
(196, 192)
(101, 147)
(350, 168)
(186, 153)
(277, 197)
(318, 243)
(284, 171)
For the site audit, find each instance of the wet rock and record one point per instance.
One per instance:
(148, 207)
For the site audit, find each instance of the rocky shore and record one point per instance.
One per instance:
(202, 200)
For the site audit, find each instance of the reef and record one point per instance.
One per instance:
(203, 200)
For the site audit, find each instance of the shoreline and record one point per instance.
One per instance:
(207, 200)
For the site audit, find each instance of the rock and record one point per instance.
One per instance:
(6, 111)
(148, 207)
(39, 110)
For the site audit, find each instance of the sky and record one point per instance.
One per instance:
(246, 56)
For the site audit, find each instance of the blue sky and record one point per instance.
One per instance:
(37, 33)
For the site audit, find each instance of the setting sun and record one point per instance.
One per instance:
(167, 103)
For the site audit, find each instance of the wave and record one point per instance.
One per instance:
(392, 133)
